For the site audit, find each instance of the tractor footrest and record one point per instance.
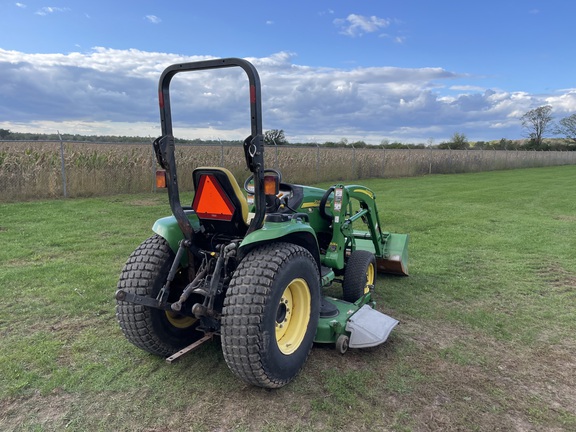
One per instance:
(369, 328)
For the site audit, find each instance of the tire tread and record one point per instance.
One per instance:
(242, 327)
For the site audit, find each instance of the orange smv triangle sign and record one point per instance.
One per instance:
(211, 201)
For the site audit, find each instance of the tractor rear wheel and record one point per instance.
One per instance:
(359, 275)
(270, 314)
(154, 330)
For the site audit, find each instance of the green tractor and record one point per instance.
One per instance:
(251, 266)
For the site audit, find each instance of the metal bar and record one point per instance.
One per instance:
(63, 166)
(254, 144)
(189, 348)
(125, 296)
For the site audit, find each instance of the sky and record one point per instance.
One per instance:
(413, 71)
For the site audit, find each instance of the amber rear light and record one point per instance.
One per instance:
(271, 186)
(160, 178)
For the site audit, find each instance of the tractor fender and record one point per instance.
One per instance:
(294, 231)
(167, 227)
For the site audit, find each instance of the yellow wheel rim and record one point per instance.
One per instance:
(292, 316)
(370, 272)
(180, 321)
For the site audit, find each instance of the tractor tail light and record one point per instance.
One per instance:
(161, 179)
(271, 186)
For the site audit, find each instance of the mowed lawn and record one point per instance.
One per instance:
(487, 339)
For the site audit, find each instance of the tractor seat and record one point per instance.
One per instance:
(218, 201)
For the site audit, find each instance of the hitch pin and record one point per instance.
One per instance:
(165, 291)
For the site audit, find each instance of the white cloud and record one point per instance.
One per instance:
(20, 5)
(564, 103)
(357, 25)
(50, 10)
(153, 19)
(467, 88)
(106, 91)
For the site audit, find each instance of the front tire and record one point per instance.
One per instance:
(359, 275)
(154, 330)
(271, 314)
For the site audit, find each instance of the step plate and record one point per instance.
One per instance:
(369, 328)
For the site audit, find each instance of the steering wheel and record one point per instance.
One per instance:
(322, 207)
(250, 188)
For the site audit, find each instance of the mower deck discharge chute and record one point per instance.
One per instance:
(251, 265)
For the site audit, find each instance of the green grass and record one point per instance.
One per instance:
(486, 340)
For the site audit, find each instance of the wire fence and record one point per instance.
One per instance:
(55, 169)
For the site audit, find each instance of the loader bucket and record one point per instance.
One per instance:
(395, 259)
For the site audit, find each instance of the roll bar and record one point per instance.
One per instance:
(253, 145)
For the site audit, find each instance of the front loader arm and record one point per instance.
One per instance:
(343, 237)
(369, 213)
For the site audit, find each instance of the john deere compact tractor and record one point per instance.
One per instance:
(250, 266)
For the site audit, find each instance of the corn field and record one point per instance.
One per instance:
(39, 170)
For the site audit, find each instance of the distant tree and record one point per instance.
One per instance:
(4, 133)
(460, 141)
(566, 127)
(275, 137)
(536, 122)
(504, 144)
(393, 145)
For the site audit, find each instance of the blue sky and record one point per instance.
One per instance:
(372, 70)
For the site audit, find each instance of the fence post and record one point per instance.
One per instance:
(276, 152)
(384, 163)
(153, 165)
(317, 162)
(221, 152)
(354, 173)
(62, 165)
(494, 160)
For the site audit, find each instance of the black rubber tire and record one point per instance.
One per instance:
(251, 309)
(148, 328)
(360, 264)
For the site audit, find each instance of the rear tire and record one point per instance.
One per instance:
(154, 330)
(271, 314)
(359, 275)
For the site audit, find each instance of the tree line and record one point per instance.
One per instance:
(537, 123)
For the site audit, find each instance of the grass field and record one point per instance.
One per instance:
(486, 341)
